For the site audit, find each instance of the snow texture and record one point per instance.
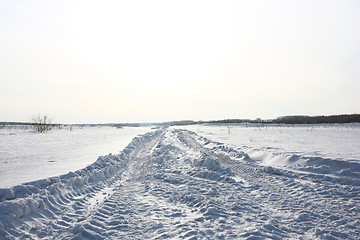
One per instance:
(174, 183)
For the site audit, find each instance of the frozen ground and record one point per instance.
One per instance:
(174, 183)
(28, 156)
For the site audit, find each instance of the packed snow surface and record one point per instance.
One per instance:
(175, 183)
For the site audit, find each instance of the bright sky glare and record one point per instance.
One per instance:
(139, 61)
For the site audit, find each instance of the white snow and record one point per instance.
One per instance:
(175, 183)
(28, 156)
(323, 148)
(336, 141)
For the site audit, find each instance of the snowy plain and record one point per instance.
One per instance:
(28, 156)
(322, 145)
(340, 141)
(194, 182)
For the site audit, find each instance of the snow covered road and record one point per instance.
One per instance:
(173, 183)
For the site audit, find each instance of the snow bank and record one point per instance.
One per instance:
(22, 200)
(52, 194)
(272, 156)
(348, 171)
(27, 156)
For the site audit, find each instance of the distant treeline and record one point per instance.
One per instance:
(15, 123)
(345, 118)
(299, 119)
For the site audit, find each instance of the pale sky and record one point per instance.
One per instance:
(153, 61)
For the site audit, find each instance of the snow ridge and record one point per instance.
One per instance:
(172, 183)
(335, 170)
(56, 193)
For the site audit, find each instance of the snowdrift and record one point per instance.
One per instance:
(52, 194)
(339, 170)
(343, 170)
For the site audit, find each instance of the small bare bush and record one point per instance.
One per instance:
(42, 123)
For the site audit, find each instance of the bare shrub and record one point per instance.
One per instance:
(42, 123)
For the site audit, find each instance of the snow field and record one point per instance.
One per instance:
(331, 149)
(28, 156)
(173, 183)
